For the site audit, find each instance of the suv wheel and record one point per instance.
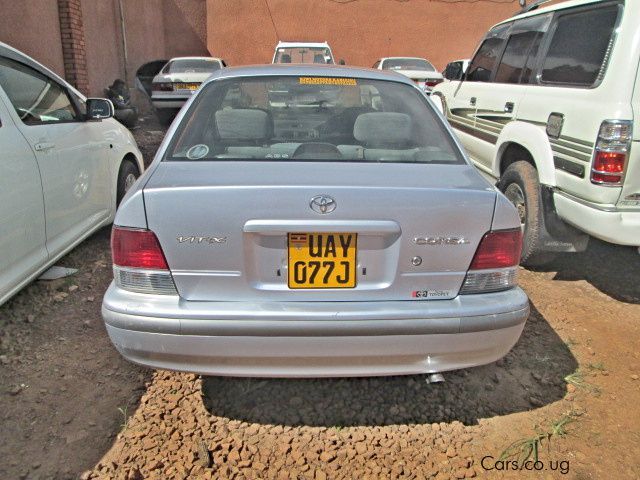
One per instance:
(520, 185)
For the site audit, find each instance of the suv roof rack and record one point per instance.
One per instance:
(531, 7)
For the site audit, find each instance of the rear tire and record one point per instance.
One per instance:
(126, 178)
(165, 116)
(520, 185)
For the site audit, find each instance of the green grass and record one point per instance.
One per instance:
(577, 380)
(529, 447)
(571, 342)
(125, 419)
(597, 366)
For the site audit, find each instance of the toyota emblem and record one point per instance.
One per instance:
(322, 204)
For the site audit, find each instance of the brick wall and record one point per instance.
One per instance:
(73, 45)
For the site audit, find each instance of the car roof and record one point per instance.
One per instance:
(404, 58)
(308, 70)
(14, 54)
(550, 8)
(302, 44)
(195, 58)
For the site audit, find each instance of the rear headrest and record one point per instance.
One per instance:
(381, 128)
(243, 124)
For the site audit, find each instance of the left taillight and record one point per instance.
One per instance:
(495, 264)
(139, 264)
(432, 83)
(612, 149)
(162, 87)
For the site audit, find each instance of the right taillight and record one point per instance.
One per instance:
(495, 264)
(139, 264)
(612, 149)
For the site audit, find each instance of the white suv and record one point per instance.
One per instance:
(546, 109)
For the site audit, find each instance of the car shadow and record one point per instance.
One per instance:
(530, 376)
(612, 269)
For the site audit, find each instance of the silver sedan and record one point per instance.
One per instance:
(303, 221)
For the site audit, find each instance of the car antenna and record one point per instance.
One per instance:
(528, 8)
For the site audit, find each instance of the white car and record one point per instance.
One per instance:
(419, 70)
(303, 52)
(177, 81)
(64, 167)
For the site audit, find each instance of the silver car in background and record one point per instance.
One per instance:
(177, 82)
(313, 221)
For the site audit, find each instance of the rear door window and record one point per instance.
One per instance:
(515, 54)
(521, 49)
(579, 46)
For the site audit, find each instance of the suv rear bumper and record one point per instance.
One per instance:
(621, 227)
(314, 339)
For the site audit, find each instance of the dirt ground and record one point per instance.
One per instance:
(569, 393)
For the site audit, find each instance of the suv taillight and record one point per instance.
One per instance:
(432, 83)
(495, 265)
(612, 149)
(139, 264)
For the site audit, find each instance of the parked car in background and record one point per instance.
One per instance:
(419, 70)
(177, 81)
(549, 110)
(455, 70)
(336, 231)
(303, 52)
(65, 165)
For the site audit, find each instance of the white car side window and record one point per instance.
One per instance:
(35, 97)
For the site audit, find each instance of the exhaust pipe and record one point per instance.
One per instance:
(435, 378)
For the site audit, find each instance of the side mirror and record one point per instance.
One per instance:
(342, 62)
(99, 108)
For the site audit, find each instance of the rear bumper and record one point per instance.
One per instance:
(621, 227)
(176, 101)
(314, 339)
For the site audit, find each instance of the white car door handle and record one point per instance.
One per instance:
(43, 146)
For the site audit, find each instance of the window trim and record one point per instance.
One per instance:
(70, 95)
(546, 44)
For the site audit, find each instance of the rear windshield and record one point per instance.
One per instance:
(303, 55)
(407, 64)
(187, 66)
(313, 119)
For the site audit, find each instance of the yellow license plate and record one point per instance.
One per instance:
(187, 86)
(322, 260)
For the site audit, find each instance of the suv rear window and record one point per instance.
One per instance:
(290, 118)
(579, 46)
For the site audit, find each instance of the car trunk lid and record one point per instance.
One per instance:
(224, 225)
